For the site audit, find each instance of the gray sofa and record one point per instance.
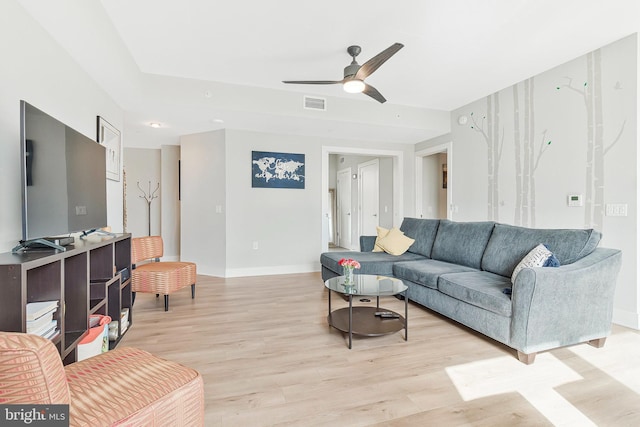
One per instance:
(462, 270)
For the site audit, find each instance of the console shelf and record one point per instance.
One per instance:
(85, 279)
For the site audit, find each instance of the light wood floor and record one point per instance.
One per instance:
(268, 358)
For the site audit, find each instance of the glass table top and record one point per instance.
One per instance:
(368, 285)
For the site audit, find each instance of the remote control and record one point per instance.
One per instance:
(382, 313)
(390, 315)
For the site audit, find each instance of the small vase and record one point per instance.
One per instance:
(348, 276)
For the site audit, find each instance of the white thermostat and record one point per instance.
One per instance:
(574, 200)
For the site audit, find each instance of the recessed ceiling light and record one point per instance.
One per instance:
(154, 125)
(217, 121)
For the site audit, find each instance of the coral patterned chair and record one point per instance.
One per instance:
(155, 276)
(122, 387)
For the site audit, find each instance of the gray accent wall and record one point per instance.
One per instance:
(571, 130)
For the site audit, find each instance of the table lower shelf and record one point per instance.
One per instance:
(365, 322)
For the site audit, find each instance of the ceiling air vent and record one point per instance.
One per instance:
(313, 103)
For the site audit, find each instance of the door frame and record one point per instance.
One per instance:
(398, 184)
(446, 148)
(361, 192)
(342, 233)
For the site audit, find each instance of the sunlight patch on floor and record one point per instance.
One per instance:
(534, 382)
(619, 358)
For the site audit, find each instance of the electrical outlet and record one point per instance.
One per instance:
(81, 210)
(255, 246)
(616, 209)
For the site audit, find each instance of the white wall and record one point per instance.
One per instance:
(205, 201)
(36, 69)
(556, 114)
(285, 223)
(170, 201)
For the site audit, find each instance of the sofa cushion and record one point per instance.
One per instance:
(426, 272)
(371, 262)
(462, 242)
(509, 244)
(395, 242)
(478, 288)
(423, 231)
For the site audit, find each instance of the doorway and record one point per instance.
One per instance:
(434, 183)
(393, 208)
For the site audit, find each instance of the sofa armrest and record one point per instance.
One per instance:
(367, 243)
(570, 304)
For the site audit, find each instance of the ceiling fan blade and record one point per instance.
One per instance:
(313, 82)
(373, 92)
(374, 63)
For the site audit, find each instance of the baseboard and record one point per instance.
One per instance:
(271, 270)
(626, 318)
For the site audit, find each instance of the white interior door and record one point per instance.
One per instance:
(369, 197)
(343, 190)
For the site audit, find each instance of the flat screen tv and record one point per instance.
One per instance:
(64, 188)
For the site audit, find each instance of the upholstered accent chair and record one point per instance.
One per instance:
(125, 386)
(155, 276)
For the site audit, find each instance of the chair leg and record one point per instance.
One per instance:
(157, 295)
(166, 303)
(133, 298)
(193, 291)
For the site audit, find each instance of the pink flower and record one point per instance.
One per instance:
(349, 263)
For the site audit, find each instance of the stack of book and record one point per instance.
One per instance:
(40, 319)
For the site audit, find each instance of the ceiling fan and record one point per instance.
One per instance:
(354, 73)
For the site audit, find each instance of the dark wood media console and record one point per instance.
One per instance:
(85, 279)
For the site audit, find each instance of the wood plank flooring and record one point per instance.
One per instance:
(268, 358)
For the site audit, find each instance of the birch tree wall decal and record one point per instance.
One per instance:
(493, 136)
(526, 158)
(591, 92)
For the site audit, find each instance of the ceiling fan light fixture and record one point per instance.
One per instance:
(353, 86)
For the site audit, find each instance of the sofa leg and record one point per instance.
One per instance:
(193, 291)
(597, 343)
(525, 358)
(166, 303)
(133, 298)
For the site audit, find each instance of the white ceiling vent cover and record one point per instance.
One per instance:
(314, 103)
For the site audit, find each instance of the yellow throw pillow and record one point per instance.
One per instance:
(381, 233)
(395, 242)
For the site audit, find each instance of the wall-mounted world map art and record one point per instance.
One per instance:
(277, 170)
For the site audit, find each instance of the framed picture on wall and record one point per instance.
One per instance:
(277, 170)
(109, 136)
(444, 175)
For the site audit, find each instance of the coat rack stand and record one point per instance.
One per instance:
(148, 197)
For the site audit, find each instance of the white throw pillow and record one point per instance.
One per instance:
(537, 257)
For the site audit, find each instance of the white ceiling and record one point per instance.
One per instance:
(188, 63)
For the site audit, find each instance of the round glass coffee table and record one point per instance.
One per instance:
(363, 320)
